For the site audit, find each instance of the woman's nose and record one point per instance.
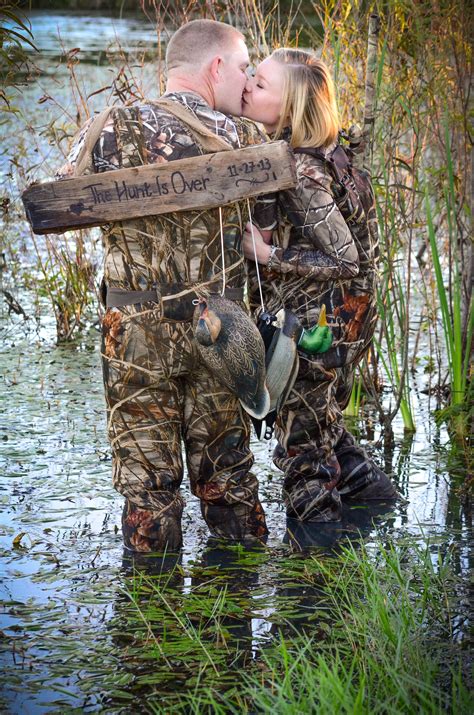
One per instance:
(248, 85)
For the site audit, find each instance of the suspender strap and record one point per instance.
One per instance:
(209, 141)
(206, 138)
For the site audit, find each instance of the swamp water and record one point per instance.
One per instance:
(83, 627)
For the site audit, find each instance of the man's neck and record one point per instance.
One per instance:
(196, 85)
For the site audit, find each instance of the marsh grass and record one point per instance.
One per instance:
(379, 636)
(458, 345)
(421, 143)
(16, 38)
(355, 401)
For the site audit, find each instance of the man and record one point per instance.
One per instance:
(158, 392)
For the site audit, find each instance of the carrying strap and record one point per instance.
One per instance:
(209, 141)
(206, 138)
(84, 163)
(312, 151)
(338, 160)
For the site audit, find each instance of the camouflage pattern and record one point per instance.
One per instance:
(320, 261)
(159, 393)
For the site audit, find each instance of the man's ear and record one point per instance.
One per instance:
(214, 67)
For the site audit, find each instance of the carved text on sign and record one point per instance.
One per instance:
(182, 185)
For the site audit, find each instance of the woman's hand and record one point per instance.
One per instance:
(262, 249)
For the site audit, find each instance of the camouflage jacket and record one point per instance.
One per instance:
(318, 259)
(183, 247)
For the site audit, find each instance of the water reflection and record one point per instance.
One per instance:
(192, 624)
(358, 521)
(220, 613)
(94, 35)
(154, 565)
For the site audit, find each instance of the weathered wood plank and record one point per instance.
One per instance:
(200, 182)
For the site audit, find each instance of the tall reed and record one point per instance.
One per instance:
(355, 401)
(16, 38)
(422, 98)
(458, 350)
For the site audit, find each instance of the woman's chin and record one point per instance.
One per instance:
(248, 114)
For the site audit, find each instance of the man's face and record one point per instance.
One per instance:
(232, 77)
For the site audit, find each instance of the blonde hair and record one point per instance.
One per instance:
(192, 44)
(309, 99)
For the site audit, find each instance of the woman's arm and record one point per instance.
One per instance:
(328, 250)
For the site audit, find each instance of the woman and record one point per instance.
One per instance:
(311, 258)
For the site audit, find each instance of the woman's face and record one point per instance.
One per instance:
(263, 94)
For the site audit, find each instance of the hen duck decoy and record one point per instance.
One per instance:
(280, 334)
(232, 349)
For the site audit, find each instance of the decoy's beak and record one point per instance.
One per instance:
(209, 325)
(322, 322)
(203, 308)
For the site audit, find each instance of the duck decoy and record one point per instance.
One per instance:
(283, 335)
(232, 348)
(259, 363)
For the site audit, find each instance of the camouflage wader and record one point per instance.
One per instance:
(320, 261)
(159, 394)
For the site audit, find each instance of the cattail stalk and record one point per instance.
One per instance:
(370, 94)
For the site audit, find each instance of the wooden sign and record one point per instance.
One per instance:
(197, 183)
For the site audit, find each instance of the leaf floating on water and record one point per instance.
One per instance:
(17, 540)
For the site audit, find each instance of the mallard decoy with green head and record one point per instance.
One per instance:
(283, 335)
(258, 363)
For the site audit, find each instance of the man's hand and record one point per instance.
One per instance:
(262, 249)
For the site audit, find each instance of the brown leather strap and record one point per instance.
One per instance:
(119, 297)
(84, 161)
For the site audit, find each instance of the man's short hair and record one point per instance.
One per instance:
(194, 42)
